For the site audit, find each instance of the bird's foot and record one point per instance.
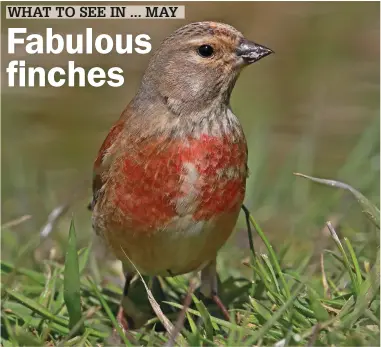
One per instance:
(214, 299)
(126, 324)
(115, 339)
(122, 320)
(221, 306)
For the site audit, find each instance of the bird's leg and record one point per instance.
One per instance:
(209, 286)
(121, 317)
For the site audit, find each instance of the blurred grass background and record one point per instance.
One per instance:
(313, 107)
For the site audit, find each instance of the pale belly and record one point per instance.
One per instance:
(182, 247)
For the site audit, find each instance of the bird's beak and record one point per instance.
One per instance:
(251, 51)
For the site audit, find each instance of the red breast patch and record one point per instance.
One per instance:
(156, 182)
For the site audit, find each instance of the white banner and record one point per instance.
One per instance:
(95, 12)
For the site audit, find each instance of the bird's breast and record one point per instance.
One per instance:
(151, 184)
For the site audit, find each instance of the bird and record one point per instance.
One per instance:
(169, 179)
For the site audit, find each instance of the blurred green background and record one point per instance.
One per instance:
(313, 107)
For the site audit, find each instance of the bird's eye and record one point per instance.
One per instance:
(205, 51)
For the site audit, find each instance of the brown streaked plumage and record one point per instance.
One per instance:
(169, 179)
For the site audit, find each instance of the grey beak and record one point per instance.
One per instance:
(251, 51)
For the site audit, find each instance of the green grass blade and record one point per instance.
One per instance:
(269, 266)
(110, 315)
(345, 257)
(354, 261)
(275, 318)
(36, 307)
(272, 256)
(192, 324)
(72, 293)
(263, 275)
(33, 275)
(260, 309)
(368, 289)
(25, 338)
(216, 321)
(8, 328)
(83, 258)
(205, 317)
(341, 260)
(193, 337)
(152, 338)
(57, 323)
(46, 296)
(320, 312)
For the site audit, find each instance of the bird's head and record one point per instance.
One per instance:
(199, 64)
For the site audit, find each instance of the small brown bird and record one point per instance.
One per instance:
(169, 179)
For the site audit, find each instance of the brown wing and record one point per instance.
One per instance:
(100, 165)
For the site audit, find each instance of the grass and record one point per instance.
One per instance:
(332, 302)
(281, 295)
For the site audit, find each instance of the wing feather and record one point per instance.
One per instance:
(101, 165)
